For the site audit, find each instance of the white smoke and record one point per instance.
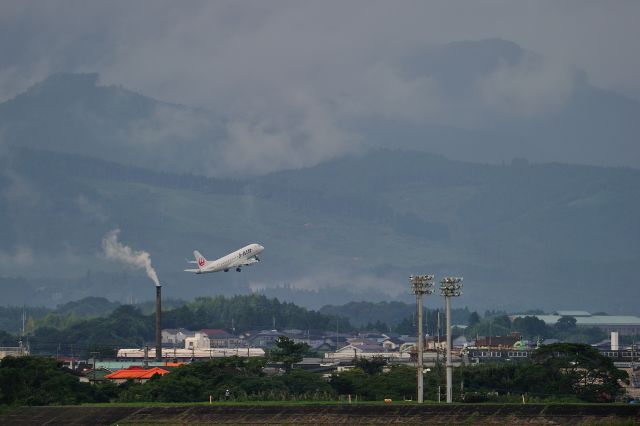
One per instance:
(113, 249)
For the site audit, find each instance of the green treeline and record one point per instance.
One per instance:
(96, 324)
(567, 372)
(532, 328)
(128, 326)
(386, 315)
(248, 313)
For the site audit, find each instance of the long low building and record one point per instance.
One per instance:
(186, 354)
(13, 351)
(623, 324)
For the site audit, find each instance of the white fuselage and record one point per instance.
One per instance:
(247, 255)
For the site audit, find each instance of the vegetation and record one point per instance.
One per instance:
(381, 316)
(41, 381)
(569, 371)
(288, 352)
(398, 383)
(128, 326)
(95, 324)
(250, 312)
(7, 339)
(479, 208)
(532, 328)
(557, 372)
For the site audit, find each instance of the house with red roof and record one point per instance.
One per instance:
(135, 373)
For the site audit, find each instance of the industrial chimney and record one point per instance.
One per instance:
(158, 321)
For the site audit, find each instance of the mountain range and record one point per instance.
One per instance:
(79, 159)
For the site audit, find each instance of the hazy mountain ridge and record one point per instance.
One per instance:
(526, 227)
(80, 159)
(487, 100)
(74, 113)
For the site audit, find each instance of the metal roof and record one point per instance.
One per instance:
(573, 313)
(593, 320)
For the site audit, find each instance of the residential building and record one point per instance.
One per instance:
(497, 342)
(13, 351)
(199, 341)
(135, 373)
(175, 336)
(219, 338)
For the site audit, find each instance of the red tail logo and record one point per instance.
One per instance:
(201, 262)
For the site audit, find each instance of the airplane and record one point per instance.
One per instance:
(247, 255)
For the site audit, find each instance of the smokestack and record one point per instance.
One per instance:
(158, 321)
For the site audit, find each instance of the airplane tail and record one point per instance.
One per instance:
(199, 258)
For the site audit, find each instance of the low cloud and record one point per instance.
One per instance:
(278, 142)
(527, 89)
(20, 191)
(166, 126)
(289, 83)
(384, 92)
(90, 208)
(20, 257)
(354, 282)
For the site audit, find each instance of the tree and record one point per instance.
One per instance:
(474, 318)
(40, 381)
(560, 370)
(7, 339)
(406, 326)
(502, 321)
(581, 370)
(530, 326)
(371, 366)
(288, 352)
(565, 323)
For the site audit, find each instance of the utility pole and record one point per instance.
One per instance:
(420, 285)
(21, 341)
(449, 287)
(94, 354)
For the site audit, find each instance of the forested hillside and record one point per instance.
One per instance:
(351, 228)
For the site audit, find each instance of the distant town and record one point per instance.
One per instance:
(513, 339)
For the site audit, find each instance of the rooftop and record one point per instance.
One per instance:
(136, 372)
(591, 320)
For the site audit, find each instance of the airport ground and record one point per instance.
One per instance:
(325, 413)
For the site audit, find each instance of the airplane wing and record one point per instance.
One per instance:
(249, 261)
(244, 262)
(192, 270)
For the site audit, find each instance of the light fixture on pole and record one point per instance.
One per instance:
(420, 285)
(450, 287)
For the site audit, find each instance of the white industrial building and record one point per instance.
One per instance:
(169, 354)
(197, 345)
(624, 324)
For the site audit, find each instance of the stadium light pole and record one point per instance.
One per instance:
(449, 287)
(420, 285)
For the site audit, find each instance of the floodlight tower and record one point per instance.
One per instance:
(420, 285)
(449, 287)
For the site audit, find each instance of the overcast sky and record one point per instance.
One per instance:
(287, 75)
(283, 84)
(188, 52)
